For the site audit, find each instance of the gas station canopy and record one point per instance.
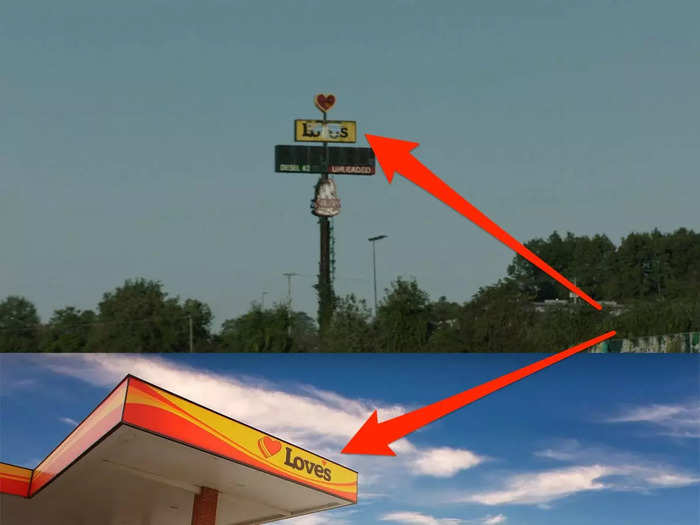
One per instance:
(145, 456)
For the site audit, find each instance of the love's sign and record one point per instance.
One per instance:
(325, 131)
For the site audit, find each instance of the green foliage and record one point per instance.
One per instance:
(644, 318)
(201, 316)
(445, 334)
(403, 320)
(139, 317)
(350, 329)
(589, 261)
(654, 276)
(272, 330)
(68, 330)
(19, 323)
(655, 265)
(559, 328)
(496, 320)
(644, 266)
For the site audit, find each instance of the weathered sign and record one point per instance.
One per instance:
(326, 202)
(310, 130)
(311, 159)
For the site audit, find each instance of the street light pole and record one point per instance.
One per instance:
(289, 276)
(373, 240)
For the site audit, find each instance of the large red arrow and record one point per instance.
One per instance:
(395, 155)
(374, 437)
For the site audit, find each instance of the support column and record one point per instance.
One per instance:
(325, 285)
(204, 507)
(325, 290)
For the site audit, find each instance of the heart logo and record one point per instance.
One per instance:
(324, 102)
(268, 446)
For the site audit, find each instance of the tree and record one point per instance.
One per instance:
(140, 317)
(497, 319)
(202, 317)
(68, 330)
(639, 266)
(587, 260)
(562, 326)
(19, 325)
(444, 326)
(530, 279)
(304, 333)
(350, 329)
(276, 329)
(649, 317)
(682, 263)
(403, 318)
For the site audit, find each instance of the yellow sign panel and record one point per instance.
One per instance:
(330, 131)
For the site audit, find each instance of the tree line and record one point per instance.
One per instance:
(654, 277)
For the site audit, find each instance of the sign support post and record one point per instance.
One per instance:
(325, 285)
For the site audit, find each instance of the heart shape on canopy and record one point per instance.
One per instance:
(268, 446)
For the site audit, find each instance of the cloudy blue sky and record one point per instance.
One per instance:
(137, 138)
(605, 439)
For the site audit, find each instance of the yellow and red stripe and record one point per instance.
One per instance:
(153, 409)
(150, 408)
(14, 480)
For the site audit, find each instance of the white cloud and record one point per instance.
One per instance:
(314, 519)
(666, 479)
(541, 488)
(678, 420)
(299, 417)
(68, 421)
(10, 385)
(653, 413)
(445, 462)
(574, 452)
(416, 518)
(644, 477)
(565, 450)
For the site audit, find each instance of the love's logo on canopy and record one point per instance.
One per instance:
(268, 446)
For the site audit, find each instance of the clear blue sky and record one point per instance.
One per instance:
(137, 138)
(605, 439)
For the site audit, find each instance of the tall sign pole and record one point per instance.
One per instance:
(326, 161)
(325, 286)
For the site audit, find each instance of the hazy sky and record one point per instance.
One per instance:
(136, 138)
(598, 439)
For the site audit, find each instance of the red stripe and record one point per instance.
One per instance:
(154, 393)
(15, 487)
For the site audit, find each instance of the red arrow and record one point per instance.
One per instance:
(395, 155)
(374, 437)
